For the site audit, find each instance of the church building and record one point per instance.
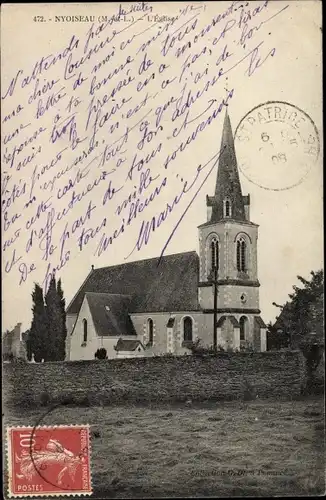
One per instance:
(142, 308)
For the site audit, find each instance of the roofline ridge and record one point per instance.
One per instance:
(227, 220)
(143, 260)
(107, 293)
(81, 286)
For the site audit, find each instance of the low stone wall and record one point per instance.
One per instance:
(224, 376)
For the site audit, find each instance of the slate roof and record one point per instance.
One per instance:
(169, 286)
(228, 219)
(128, 345)
(228, 181)
(110, 314)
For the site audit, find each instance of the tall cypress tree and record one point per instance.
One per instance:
(62, 340)
(54, 321)
(29, 351)
(37, 337)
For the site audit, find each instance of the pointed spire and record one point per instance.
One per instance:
(228, 200)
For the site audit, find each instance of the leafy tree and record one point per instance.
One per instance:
(37, 337)
(276, 337)
(303, 314)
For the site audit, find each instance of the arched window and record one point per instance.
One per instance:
(214, 253)
(241, 255)
(85, 330)
(243, 327)
(187, 329)
(150, 329)
(227, 208)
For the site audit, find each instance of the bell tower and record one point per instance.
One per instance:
(228, 241)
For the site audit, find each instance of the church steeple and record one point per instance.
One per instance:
(228, 201)
(228, 252)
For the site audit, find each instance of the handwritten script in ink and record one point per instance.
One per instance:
(98, 133)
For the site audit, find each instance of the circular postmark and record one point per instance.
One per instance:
(277, 144)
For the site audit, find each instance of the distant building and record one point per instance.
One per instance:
(14, 344)
(166, 307)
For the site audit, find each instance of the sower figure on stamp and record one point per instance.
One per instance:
(54, 454)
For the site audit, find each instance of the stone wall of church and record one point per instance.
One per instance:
(80, 350)
(165, 339)
(202, 329)
(235, 296)
(256, 340)
(175, 378)
(227, 234)
(250, 234)
(70, 322)
(227, 332)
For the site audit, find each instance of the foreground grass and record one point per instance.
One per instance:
(267, 448)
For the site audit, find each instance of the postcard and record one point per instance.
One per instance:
(162, 249)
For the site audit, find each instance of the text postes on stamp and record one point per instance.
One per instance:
(277, 144)
(48, 461)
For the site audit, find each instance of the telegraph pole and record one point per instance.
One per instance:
(215, 307)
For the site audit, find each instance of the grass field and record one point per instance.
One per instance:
(259, 448)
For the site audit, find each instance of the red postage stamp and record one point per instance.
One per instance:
(49, 461)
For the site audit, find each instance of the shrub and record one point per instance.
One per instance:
(163, 355)
(45, 398)
(189, 344)
(101, 353)
(246, 347)
(199, 350)
(8, 357)
(66, 400)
